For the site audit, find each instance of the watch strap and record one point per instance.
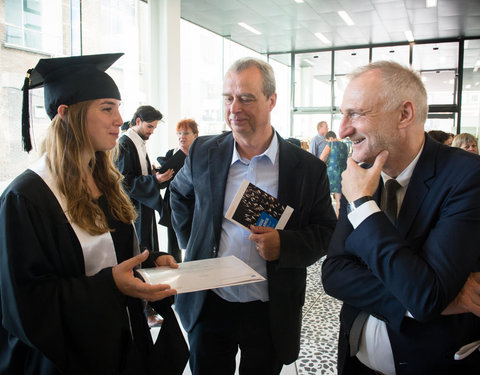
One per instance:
(358, 202)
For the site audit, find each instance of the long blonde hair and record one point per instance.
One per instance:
(66, 141)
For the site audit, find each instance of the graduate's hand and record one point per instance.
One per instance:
(131, 286)
(166, 260)
(468, 299)
(162, 177)
(267, 242)
(358, 182)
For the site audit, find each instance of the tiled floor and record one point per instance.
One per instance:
(318, 351)
(318, 348)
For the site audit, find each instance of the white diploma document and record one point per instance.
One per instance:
(202, 274)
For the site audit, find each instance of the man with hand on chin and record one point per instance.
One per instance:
(405, 249)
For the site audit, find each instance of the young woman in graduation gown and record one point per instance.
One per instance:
(70, 301)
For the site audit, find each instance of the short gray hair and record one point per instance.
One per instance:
(265, 69)
(399, 83)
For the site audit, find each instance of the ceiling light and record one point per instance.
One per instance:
(249, 28)
(431, 3)
(345, 17)
(409, 35)
(323, 38)
(299, 1)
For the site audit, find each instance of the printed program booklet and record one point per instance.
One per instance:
(202, 274)
(253, 206)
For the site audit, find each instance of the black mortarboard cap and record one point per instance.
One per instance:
(68, 80)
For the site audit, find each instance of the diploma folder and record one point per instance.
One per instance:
(253, 206)
(174, 162)
(202, 274)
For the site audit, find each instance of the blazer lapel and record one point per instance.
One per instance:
(219, 160)
(418, 187)
(289, 170)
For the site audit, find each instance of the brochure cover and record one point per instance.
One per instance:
(174, 162)
(253, 206)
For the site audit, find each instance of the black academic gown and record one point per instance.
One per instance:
(173, 247)
(144, 192)
(55, 319)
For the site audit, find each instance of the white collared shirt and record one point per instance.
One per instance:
(262, 171)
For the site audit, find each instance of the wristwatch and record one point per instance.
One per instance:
(358, 202)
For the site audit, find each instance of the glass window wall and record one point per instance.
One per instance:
(281, 113)
(471, 88)
(399, 54)
(34, 25)
(313, 75)
(345, 62)
(201, 77)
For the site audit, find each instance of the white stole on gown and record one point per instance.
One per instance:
(98, 250)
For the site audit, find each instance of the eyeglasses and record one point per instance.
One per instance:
(179, 134)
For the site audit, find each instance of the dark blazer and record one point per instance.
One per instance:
(144, 192)
(303, 185)
(420, 265)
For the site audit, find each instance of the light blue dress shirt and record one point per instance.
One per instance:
(261, 171)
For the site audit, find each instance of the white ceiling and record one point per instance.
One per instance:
(287, 26)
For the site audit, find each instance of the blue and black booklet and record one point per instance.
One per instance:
(253, 206)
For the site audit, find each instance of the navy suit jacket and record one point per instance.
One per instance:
(420, 265)
(303, 185)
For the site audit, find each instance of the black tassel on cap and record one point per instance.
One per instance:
(27, 142)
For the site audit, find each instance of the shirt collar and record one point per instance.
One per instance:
(404, 178)
(270, 152)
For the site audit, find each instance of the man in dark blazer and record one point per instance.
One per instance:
(262, 319)
(399, 275)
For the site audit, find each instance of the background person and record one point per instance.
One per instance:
(335, 155)
(70, 301)
(399, 260)
(262, 319)
(318, 143)
(441, 136)
(467, 142)
(187, 132)
(141, 183)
